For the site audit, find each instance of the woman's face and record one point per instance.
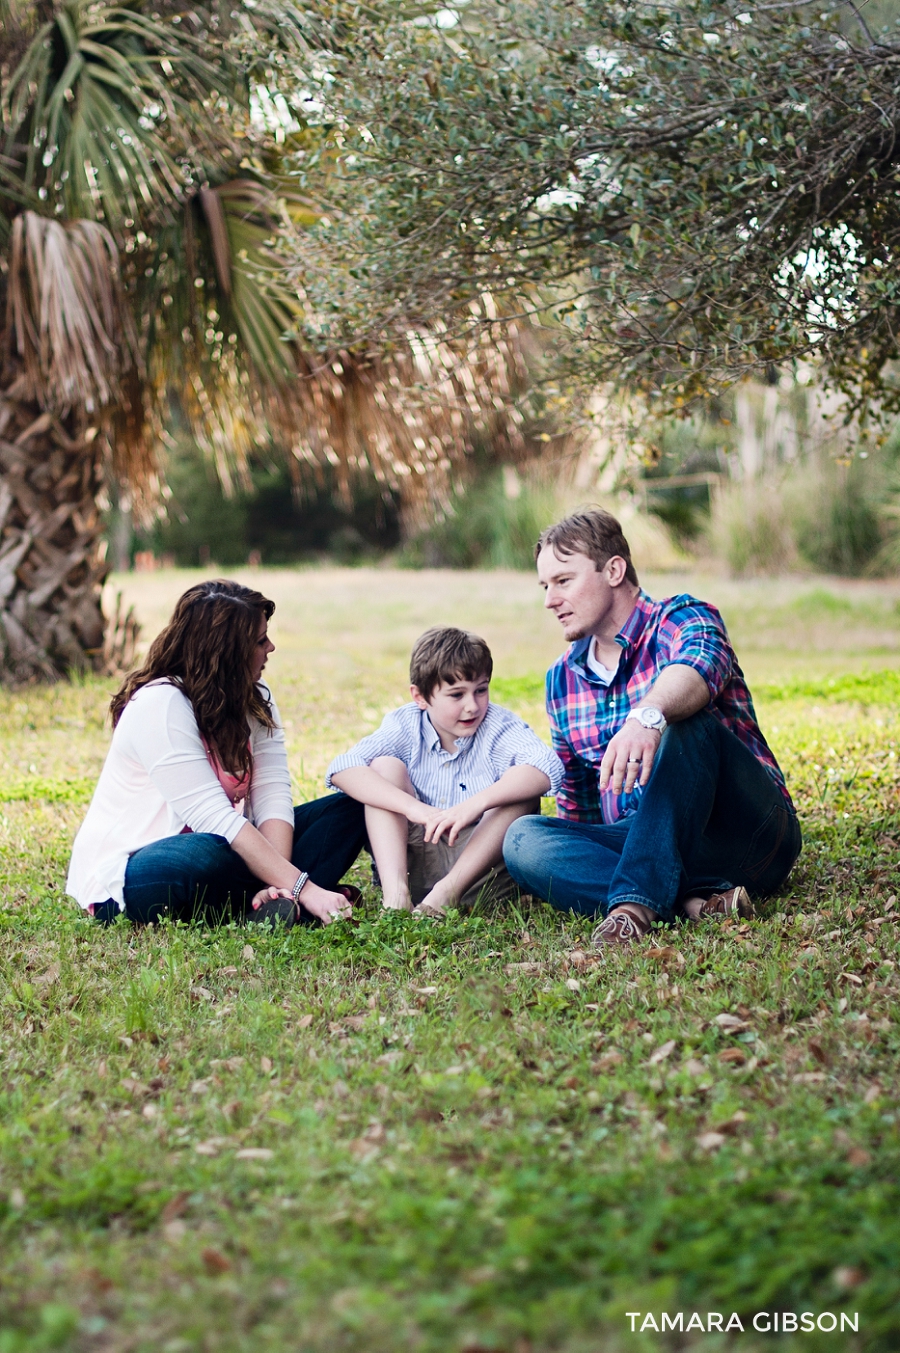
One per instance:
(262, 648)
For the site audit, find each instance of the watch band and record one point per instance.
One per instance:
(648, 716)
(299, 885)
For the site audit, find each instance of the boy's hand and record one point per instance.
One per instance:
(452, 820)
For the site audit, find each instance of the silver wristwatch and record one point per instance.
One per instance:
(648, 716)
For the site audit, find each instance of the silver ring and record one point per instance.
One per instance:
(633, 761)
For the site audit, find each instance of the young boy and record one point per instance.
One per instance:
(443, 778)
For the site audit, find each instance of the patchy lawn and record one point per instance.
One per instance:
(473, 1135)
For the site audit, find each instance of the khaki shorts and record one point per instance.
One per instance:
(430, 861)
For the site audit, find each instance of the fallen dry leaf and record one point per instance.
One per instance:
(809, 1078)
(693, 1067)
(212, 1147)
(247, 953)
(214, 1261)
(666, 953)
(850, 977)
(176, 1206)
(733, 1055)
(732, 1125)
(388, 1059)
(821, 1056)
(425, 991)
(200, 1087)
(228, 1063)
(730, 1022)
(304, 1021)
(857, 1157)
(512, 968)
(254, 1153)
(265, 1065)
(354, 1022)
(573, 984)
(135, 1087)
(711, 1141)
(662, 1053)
(848, 1278)
(607, 1061)
(227, 972)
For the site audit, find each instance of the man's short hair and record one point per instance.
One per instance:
(444, 654)
(593, 532)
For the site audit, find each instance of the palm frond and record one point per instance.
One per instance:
(103, 104)
(67, 321)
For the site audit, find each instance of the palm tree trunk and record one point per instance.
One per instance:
(51, 569)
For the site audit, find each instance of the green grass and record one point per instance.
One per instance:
(470, 1136)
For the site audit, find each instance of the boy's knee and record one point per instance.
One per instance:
(391, 768)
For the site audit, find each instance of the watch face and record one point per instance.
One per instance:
(651, 718)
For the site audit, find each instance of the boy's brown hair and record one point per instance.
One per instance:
(591, 531)
(444, 654)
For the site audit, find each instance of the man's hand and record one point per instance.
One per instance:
(452, 820)
(628, 759)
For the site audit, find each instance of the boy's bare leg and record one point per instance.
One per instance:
(387, 837)
(483, 852)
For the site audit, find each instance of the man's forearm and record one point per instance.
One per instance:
(367, 786)
(679, 691)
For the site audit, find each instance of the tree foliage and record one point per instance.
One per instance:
(682, 193)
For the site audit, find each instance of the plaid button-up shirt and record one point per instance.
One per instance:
(585, 714)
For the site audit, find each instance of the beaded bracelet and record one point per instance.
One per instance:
(302, 879)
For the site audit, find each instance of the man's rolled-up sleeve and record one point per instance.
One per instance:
(695, 636)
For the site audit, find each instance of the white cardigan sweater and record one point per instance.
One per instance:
(157, 780)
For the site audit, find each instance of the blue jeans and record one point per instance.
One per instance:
(710, 817)
(198, 876)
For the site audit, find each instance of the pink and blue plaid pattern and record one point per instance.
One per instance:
(585, 714)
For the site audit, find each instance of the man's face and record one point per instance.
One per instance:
(456, 708)
(579, 594)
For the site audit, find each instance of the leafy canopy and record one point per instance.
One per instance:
(683, 193)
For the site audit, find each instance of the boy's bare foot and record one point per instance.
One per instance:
(436, 910)
(396, 904)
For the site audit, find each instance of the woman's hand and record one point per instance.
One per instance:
(322, 904)
(269, 895)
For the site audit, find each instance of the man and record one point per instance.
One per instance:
(671, 802)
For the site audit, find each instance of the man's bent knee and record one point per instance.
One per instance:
(523, 842)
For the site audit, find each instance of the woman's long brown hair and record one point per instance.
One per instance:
(207, 649)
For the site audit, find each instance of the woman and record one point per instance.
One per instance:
(192, 814)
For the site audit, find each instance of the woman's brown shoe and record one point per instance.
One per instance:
(620, 927)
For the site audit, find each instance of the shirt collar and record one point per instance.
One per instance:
(433, 738)
(628, 637)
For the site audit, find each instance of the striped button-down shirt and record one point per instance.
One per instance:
(585, 713)
(443, 779)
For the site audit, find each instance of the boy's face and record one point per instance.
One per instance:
(456, 708)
